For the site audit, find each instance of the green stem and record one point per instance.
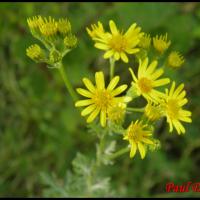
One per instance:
(67, 82)
(135, 109)
(119, 153)
(112, 67)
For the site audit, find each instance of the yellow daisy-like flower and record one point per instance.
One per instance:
(138, 136)
(100, 99)
(175, 59)
(161, 43)
(145, 41)
(147, 80)
(116, 44)
(173, 103)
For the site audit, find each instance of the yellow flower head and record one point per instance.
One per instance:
(147, 80)
(100, 99)
(153, 111)
(48, 27)
(175, 59)
(70, 41)
(145, 41)
(117, 112)
(97, 31)
(138, 136)
(161, 43)
(116, 44)
(64, 26)
(35, 22)
(35, 52)
(173, 103)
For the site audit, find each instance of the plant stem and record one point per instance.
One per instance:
(135, 109)
(112, 67)
(67, 82)
(119, 153)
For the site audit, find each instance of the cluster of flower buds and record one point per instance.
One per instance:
(55, 35)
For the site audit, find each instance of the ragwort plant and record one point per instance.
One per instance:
(106, 104)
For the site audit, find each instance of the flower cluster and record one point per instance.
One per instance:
(162, 101)
(108, 104)
(56, 36)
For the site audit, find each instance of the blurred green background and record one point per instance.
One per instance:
(41, 131)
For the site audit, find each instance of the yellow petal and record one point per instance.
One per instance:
(101, 46)
(178, 90)
(108, 54)
(113, 27)
(93, 115)
(99, 78)
(142, 67)
(157, 74)
(103, 118)
(179, 127)
(116, 56)
(124, 57)
(183, 102)
(89, 85)
(84, 93)
(132, 74)
(146, 140)
(113, 83)
(170, 125)
(161, 82)
(119, 90)
(185, 113)
(181, 95)
(132, 51)
(142, 150)
(88, 110)
(133, 149)
(130, 30)
(186, 119)
(152, 67)
(83, 102)
(172, 89)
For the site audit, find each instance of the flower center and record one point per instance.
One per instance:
(135, 132)
(118, 42)
(172, 108)
(145, 85)
(103, 99)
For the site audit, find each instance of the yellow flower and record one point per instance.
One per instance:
(64, 26)
(70, 41)
(147, 80)
(175, 59)
(100, 99)
(138, 136)
(153, 111)
(173, 103)
(145, 41)
(48, 27)
(117, 112)
(42, 25)
(116, 44)
(161, 43)
(35, 52)
(35, 22)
